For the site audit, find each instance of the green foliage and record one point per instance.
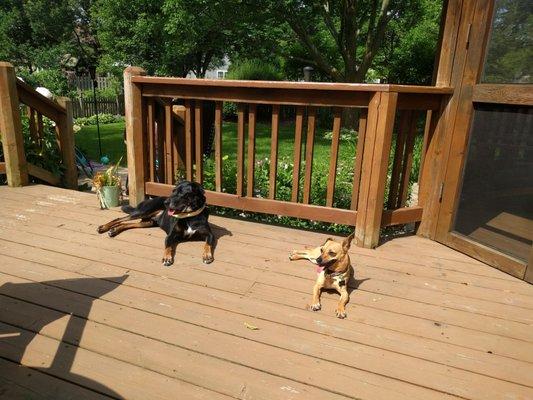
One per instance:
(254, 70)
(44, 153)
(510, 51)
(52, 79)
(102, 119)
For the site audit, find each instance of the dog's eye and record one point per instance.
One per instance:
(332, 253)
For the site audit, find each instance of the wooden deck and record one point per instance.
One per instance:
(83, 316)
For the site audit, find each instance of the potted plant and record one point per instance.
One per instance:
(108, 187)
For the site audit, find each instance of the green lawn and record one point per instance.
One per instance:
(112, 141)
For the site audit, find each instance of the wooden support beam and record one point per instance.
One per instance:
(198, 142)
(380, 124)
(65, 130)
(135, 127)
(361, 134)
(168, 144)
(240, 149)
(333, 155)
(189, 111)
(11, 128)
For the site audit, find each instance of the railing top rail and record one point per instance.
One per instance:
(36, 100)
(353, 87)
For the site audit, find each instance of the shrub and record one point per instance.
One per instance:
(53, 80)
(102, 119)
(254, 70)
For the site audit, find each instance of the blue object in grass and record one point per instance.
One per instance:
(104, 160)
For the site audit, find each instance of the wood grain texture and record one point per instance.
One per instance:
(240, 149)
(11, 128)
(403, 128)
(333, 157)
(218, 146)
(135, 129)
(65, 130)
(518, 94)
(358, 162)
(309, 146)
(168, 146)
(251, 151)
(272, 174)
(189, 131)
(198, 142)
(297, 157)
(150, 121)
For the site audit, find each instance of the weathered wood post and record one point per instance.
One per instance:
(378, 137)
(11, 127)
(65, 129)
(133, 105)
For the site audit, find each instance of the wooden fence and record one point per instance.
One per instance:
(151, 120)
(85, 107)
(86, 83)
(13, 93)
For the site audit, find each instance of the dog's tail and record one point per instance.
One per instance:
(127, 209)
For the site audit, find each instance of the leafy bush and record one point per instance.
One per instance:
(53, 80)
(44, 153)
(254, 70)
(102, 119)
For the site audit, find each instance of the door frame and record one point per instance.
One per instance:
(465, 37)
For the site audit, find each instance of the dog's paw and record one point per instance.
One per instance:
(167, 261)
(207, 258)
(340, 313)
(316, 307)
(100, 229)
(112, 232)
(292, 255)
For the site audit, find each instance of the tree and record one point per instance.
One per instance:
(341, 38)
(170, 36)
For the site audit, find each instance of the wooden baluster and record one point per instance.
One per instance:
(358, 158)
(394, 188)
(240, 149)
(151, 139)
(297, 153)
(273, 152)
(32, 124)
(188, 139)
(332, 174)
(309, 146)
(65, 129)
(40, 128)
(251, 151)
(198, 141)
(179, 137)
(380, 124)
(160, 114)
(169, 167)
(407, 162)
(218, 146)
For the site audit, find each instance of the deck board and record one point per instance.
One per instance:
(425, 322)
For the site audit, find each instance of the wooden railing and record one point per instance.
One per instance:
(13, 92)
(161, 134)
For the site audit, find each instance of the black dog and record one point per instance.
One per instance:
(182, 216)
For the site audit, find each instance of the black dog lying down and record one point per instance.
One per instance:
(182, 216)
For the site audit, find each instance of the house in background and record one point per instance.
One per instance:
(215, 73)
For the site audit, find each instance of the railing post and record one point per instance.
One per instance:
(378, 137)
(65, 129)
(11, 128)
(133, 105)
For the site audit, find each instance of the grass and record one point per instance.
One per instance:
(112, 141)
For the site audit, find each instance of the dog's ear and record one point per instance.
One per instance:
(327, 240)
(346, 243)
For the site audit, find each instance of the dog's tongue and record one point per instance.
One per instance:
(319, 269)
(171, 212)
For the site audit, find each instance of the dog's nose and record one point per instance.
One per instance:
(319, 260)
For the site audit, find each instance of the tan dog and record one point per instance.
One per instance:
(334, 270)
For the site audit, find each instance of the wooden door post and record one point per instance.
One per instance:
(11, 128)
(378, 137)
(65, 129)
(134, 135)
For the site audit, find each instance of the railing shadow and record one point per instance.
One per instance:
(21, 323)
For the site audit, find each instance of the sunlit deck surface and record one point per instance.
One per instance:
(83, 316)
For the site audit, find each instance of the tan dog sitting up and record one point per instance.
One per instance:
(334, 270)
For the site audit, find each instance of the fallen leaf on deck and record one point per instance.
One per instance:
(252, 327)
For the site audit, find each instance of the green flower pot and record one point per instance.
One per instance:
(109, 196)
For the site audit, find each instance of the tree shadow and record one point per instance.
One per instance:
(21, 323)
